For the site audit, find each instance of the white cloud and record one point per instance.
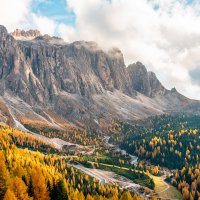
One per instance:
(164, 35)
(44, 24)
(14, 13)
(67, 32)
(18, 14)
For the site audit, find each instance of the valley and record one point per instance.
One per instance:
(121, 156)
(94, 160)
(164, 178)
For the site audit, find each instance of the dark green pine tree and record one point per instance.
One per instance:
(196, 196)
(30, 188)
(58, 191)
(48, 186)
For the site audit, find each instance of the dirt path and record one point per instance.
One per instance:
(163, 190)
(167, 185)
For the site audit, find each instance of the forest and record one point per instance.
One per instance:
(30, 169)
(166, 145)
(167, 141)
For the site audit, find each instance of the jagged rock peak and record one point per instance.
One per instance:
(18, 33)
(143, 81)
(139, 78)
(3, 31)
(137, 67)
(155, 85)
(174, 90)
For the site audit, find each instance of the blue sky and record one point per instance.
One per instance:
(190, 1)
(54, 9)
(58, 10)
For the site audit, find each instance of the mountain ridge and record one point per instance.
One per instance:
(78, 83)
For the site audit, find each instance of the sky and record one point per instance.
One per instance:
(162, 34)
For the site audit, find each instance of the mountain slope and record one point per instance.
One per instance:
(45, 81)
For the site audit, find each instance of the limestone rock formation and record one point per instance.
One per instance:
(145, 82)
(78, 82)
(25, 34)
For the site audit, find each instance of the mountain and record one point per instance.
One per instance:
(45, 81)
(145, 82)
(21, 34)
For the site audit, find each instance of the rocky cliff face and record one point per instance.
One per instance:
(145, 82)
(78, 82)
(25, 34)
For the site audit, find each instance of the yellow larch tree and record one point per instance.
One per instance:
(40, 191)
(19, 188)
(10, 195)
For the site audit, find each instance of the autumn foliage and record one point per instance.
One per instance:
(31, 175)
